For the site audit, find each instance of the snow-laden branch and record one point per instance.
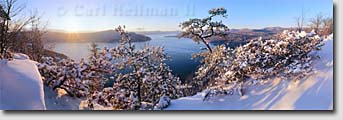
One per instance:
(288, 55)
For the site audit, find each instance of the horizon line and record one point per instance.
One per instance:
(92, 31)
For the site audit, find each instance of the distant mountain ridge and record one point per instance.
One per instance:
(248, 34)
(111, 36)
(238, 35)
(108, 36)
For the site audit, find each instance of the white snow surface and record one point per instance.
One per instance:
(315, 92)
(21, 86)
(56, 101)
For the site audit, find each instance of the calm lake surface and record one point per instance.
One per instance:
(179, 50)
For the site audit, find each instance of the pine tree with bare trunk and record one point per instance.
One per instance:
(202, 30)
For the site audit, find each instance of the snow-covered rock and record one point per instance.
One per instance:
(20, 56)
(164, 102)
(21, 86)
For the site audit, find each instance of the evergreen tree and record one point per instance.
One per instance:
(202, 30)
(146, 78)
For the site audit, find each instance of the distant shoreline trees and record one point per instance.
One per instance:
(321, 24)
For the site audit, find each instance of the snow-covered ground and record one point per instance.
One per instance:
(314, 92)
(21, 86)
(54, 101)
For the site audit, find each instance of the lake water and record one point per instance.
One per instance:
(180, 51)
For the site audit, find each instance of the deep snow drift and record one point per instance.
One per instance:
(21, 86)
(315, 92)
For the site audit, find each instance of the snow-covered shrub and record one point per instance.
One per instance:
(100, 67)
(288, 55)
(77, 78)
(6, 55)
(65, 74)
(145, 79)
(212, 65)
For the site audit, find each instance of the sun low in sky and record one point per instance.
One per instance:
(71, 25)
(165, 15)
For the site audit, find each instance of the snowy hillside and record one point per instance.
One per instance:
(314, 92)
(21, 86)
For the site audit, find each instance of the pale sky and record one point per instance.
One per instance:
(166, 15)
